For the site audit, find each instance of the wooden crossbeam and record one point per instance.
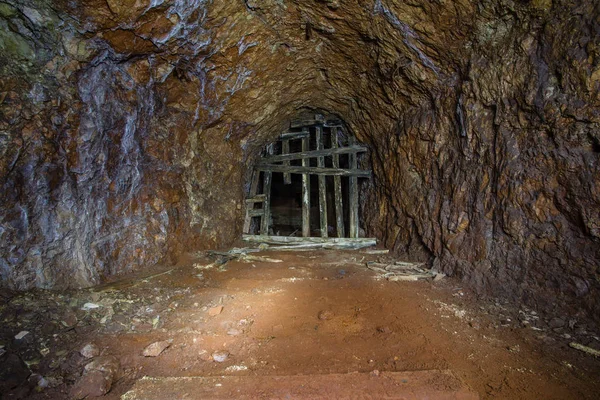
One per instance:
(259, 198)
(294, 135)
(259, 212)
(358, 173)
(313, 154)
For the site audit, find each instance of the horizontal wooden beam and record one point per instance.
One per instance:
(294, 135)
(313, 154)
(259, 212)
(313, 170)
(259, 198)
(347, 242)
(313, 122)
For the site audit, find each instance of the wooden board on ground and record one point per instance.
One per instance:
(433, 385)
(349, 243)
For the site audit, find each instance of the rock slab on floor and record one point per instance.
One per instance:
(97, 379)
(156, 348)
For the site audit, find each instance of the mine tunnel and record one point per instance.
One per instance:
(299, 199)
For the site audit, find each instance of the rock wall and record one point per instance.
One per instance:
(128, 127)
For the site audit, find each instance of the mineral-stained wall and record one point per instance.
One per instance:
(127, 129)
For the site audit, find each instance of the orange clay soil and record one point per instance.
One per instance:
(324, 312)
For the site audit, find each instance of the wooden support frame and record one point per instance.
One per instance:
(297, 150)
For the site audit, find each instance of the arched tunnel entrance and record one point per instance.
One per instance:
(306, 183)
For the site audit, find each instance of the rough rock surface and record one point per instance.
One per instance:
(127, 131)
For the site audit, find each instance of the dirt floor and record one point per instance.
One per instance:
(314, 313)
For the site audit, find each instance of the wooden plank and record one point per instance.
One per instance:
(299, 240)
(259, 212)
(259, 198)
(252, 194)
(302, 123)
(285, 149)
(314, 170)
(313, 154)
(305, 188)
(353, 192)
(268, 175)
(337, 187)
(322, 185)
(294, 135)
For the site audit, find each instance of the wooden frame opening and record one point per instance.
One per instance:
(306, 183)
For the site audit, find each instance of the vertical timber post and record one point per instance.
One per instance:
(305, 188)
(266, 217)
(285, 149)
(337, 186)
(353, 191)
(322, 185)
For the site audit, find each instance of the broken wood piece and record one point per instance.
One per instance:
(250, 258)
(376, 251)
(350, 242)
(585, 349)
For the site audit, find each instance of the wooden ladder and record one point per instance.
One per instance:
(253, 199)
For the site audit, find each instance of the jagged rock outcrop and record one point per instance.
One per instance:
(128, 128)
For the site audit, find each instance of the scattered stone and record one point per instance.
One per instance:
(107, 364)
(154, 349)
(325, 315)
(556, 323)
(215, 311)
(90, 350)
(384, 329)
(69, 320)
(475, 325)
(21, 335)
(235, 368)
(90, 306)
(234, 332)
(220, 356)
(514, 349)
(97, 379)
(91, 384)
(438, 277)
(375, 373)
